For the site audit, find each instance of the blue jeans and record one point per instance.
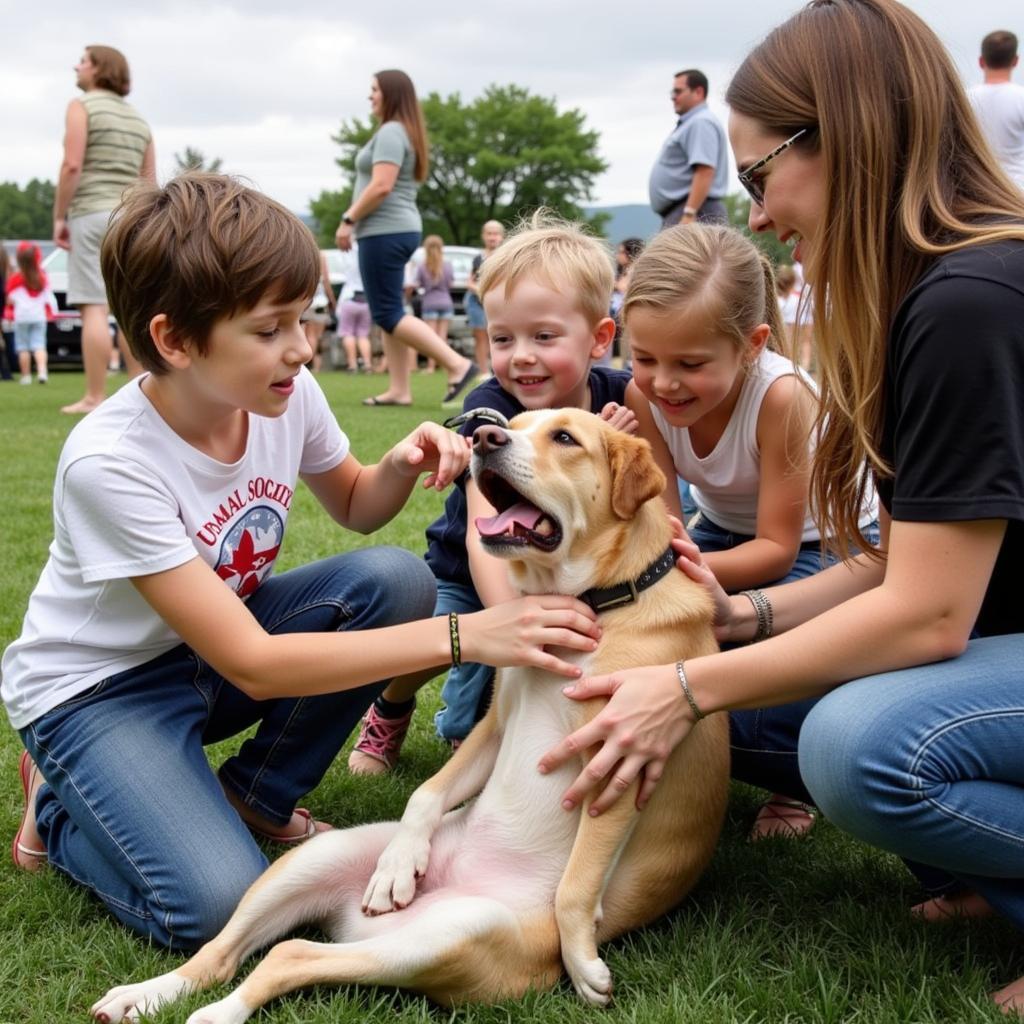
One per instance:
(928, 763)
(132, 809)
(466, 687)
(382, 260)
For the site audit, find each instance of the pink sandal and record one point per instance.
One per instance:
(26, 857)
(782, 817)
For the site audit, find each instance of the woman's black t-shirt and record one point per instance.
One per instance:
(954, 409)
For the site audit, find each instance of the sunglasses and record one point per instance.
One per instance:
(752, 184)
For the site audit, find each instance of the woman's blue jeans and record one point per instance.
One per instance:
(928, 763)
(132, 809)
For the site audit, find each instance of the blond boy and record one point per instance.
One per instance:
(546, 294)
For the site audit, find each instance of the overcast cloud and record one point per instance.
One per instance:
(264, 90)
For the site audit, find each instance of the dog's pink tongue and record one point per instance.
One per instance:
(525, 514)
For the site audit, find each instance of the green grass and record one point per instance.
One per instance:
(808, 931)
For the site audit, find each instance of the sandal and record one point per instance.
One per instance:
(28, 858)
(310, 828)
(456, 389)
(782, 817)
(380, 742)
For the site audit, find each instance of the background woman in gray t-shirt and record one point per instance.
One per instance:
(384, 218)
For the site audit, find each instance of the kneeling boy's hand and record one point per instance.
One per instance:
(431, 447)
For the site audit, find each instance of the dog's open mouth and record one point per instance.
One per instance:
(519, 523)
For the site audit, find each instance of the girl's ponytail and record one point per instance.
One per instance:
(779, 341)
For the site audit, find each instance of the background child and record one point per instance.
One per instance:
(730, 415)
(434, 277)
(625, 256)
(157, 627)
(546, 293)
(354, 315)
(315, 321)
(492, 234)
(31, 304)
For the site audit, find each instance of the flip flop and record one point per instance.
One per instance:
(456, 389)
(794, 818)
(25, 857)
(373, 401)
(312, 828)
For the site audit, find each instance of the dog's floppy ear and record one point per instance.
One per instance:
(635, 475)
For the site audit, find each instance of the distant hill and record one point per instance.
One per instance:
(632, 221)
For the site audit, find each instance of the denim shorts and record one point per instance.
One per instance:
(30, 337)
(382, 260)
(438, 314)
(475, 314)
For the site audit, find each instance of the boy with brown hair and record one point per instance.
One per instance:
(156, 626)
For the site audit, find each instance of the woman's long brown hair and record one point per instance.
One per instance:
(399, 103)
(908, 177)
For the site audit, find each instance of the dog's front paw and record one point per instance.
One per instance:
(127, 1002)
(393, 885)
(231, 1010)
(592, 980)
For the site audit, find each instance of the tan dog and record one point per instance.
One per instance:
(489, 900)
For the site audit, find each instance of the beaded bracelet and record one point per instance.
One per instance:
(453, 639)
(765, 617)
(681, 672)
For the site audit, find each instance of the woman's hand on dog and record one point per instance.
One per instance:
(644, 720)
(520, 632)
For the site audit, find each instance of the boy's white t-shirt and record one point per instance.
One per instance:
(132, 498)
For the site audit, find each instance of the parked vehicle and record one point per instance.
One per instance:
(64, 333)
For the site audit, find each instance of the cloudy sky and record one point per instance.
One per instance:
(263, 85)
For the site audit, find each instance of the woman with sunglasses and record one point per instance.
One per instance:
(855, 140)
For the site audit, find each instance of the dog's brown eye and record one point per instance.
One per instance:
(564, 437)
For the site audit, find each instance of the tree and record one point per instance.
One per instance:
(194, 160)
(498, 157)
(26, 212)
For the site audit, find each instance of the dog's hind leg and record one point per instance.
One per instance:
(309, 883)
(595, 852)
(465, 947)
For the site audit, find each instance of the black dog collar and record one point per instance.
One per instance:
(602, 599)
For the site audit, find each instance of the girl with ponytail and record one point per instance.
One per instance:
(728, 413)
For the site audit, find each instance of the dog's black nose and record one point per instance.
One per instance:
(487, 438)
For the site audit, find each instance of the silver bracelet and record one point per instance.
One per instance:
(681, 672)
(765, 617)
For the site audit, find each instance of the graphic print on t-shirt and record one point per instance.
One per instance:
(248, 550)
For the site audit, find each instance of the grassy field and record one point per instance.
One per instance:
(815, 930)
